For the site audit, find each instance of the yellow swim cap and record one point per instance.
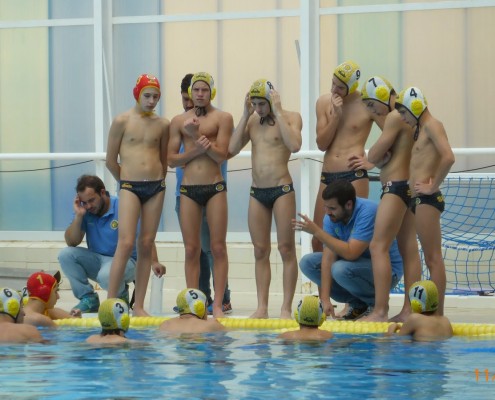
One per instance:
(114, 315)
(192, 301)
(413, 100)
(309, 312)
(377, 88)
(204, 77)
(348, 72)
(10, 302)
(261, 88)
(423, 296)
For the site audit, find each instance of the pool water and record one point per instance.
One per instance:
(246, 365)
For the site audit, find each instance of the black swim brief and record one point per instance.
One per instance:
(268, 196)
(349, 176)
(435, 200)
(399, 188)
(144, 190)
(201, 194)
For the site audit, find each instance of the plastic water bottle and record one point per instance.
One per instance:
(156, 295)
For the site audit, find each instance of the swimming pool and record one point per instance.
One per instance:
(246, 365)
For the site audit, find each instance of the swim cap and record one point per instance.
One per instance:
(261, 88)
(10, 302)
(423, 296)
(413, 100)
(114, 315)
(40, 285)
(309, 312)
(377, 88)
(192, 301)
(205, 77)
(348, 72)
(145, 81)
(24, 295)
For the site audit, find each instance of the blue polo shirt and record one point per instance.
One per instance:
(102, 233)
(361, 227)
(179, 173)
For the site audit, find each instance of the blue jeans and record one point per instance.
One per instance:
(205, 259)
(80, 264)
(352, 281)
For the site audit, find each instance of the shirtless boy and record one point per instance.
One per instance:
(205, 132)
(113, 315)
(431, 160)
(391, 153)
(193, 318)
(43, 294)
(140, 138)
(12, 328)
(424, 323)
(309, 315)
(342, 127)
(274, 134)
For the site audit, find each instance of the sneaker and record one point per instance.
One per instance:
(226, 308)
(354, 313)
(88, 303)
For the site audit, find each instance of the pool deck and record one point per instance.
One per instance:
(459, 309)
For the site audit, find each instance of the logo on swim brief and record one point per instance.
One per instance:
(163, 183)
(183, 190)
(359, 173)
(126, 185)
(386, 189)
(219, 187)
(440, 198)
(322, 178)
(286, 188)
(418, 201)
(114, 224)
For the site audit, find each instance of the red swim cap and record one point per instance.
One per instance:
(145, 81)
(41, 284)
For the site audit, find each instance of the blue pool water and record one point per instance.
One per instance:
(246, 365)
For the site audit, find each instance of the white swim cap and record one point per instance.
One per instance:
(309, 312)
(423, 296)
(10, 302)
(413, 100)
(192, 301)
(377, 88)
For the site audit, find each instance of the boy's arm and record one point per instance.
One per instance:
(438, 136)
(290, 124)
(241, 133)
(328, 114)
(393, 125)
(174, 158)
(164, 145)
(219, 148)
(113, 146)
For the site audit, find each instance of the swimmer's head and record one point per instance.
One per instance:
(145, 81)
(114, 316)
(423, 296)
(412, 100)
(192, 301)
(309, 312)
(41, 285)
(203, 77)
(260, 89)
(378, 89)
(10, 303)
(348, 73)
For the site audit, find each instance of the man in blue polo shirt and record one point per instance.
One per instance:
(343, 271)
(96, 216)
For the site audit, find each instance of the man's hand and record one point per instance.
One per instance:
(356, 163)
(328, 309)
(336, 103)
(202, 144)
(78, 207)
(248, 107)
(305, 224)
(425, 188)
